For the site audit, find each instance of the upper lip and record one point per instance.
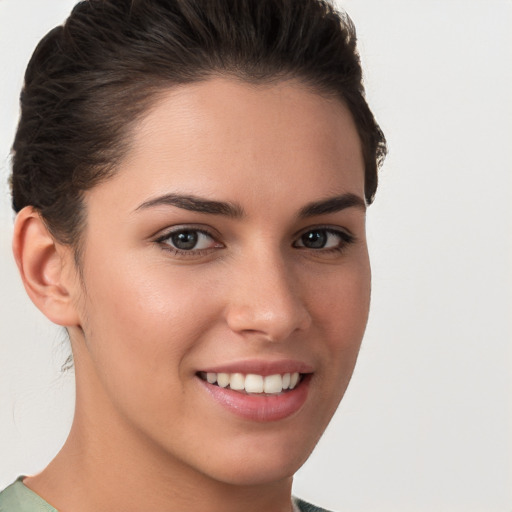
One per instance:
(261, 367)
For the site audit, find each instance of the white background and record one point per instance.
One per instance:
(426, 423)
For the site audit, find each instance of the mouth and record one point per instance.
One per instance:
(256, 390)
(254, 384)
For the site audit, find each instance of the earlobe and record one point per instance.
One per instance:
(44, 266)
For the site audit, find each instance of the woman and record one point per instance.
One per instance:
(190, 179)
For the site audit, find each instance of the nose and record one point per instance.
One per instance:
(265, 300)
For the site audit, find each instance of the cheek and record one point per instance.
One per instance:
(341, 299)
(138, 296)
(341, 308)
(141, 320)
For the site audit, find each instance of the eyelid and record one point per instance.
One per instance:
(325, 227)
(165, 235)
(345, 235)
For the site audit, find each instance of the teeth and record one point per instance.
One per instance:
(237, 381)
(223, 379)
(273, 384)
(252, 383)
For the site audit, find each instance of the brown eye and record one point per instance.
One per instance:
(189, 240)
(324, 238)
(314, 239)
(184, 240)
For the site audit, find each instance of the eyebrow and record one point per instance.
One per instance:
(197, 204)
(332, 205)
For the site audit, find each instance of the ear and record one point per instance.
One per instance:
(46, 268)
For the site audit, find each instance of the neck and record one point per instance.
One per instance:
(105, 466)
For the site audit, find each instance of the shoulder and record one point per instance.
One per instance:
(19, 498)
(303, 506)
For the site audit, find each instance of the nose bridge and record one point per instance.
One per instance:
(266, 298)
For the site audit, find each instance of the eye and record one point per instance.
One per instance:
(188, 240)
(324, 239)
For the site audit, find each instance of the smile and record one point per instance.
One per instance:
(256, 397)
(252, 383)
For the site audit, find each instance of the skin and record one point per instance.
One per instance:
(144, 320)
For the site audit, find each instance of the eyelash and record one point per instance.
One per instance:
(165, 244)
(345, 240)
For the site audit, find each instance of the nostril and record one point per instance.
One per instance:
(265, 300)
(271, 322)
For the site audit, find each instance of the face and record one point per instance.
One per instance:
(225, 263)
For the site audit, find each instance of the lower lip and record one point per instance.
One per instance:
(261, 408)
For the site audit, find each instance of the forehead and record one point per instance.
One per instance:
(225, 137)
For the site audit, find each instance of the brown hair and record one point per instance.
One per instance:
(90, 79)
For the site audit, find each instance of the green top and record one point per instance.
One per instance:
(19, 498)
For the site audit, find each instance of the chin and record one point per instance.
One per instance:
(263, 461)
(258, 473)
